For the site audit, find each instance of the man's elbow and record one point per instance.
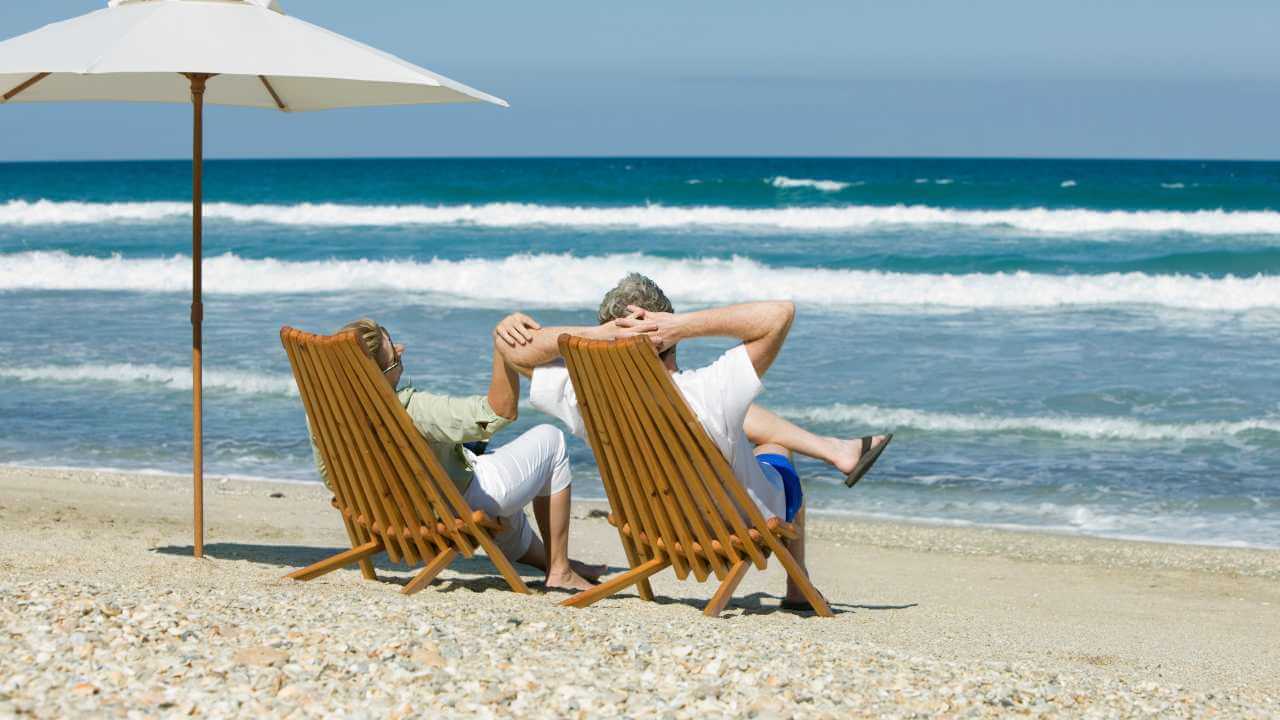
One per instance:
(782, 312)
(520, 356)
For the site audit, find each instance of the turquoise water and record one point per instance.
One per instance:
(1084, 346)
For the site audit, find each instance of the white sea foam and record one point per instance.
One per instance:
(1067, 184)
(1172, 186)
(176, 378)
(306, 473)
(510, 215)
(558, 280)
(1018, 517)
(784, 182)
(1090, 428)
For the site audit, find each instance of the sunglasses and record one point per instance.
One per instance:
(396, 363)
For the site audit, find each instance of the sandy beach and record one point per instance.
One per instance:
(104, 612)
(1037, 245)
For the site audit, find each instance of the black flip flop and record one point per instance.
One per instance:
(866, 459)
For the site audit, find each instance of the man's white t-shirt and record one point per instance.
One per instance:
(719, 395)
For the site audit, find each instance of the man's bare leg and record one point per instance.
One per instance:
(764, 427)
(795, 545)
(552, 516)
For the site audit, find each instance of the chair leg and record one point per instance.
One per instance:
(801, 578)
(366, 565)
(725, 591)
(645, 590)
(340, 560)
(499, 559)
(633, 559)
(429, 573)
(605, 589)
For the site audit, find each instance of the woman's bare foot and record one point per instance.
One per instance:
(591, 572)
(537, 557)
(568, 580)
(845, 453)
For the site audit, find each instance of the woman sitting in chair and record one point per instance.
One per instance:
(532, 468)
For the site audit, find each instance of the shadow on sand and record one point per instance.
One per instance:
(482, 576)
(762, 603)
(482, 573)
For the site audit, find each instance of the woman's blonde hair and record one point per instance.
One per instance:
(370, 335)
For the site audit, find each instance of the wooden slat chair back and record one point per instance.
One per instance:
(387, 483)
(674, 498)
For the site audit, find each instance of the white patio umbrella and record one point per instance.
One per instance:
(220, 52)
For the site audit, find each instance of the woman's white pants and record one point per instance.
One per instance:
(535, 464)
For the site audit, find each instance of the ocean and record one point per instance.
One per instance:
(1075, 346)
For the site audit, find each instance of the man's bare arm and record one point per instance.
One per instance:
(761, 326)
(525, 344)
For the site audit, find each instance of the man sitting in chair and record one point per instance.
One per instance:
(754, 441)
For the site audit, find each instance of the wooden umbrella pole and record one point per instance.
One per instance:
(197, 308)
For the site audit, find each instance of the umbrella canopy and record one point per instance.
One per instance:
(134, 50)
(225, 52)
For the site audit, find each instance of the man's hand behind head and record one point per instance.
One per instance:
(761, 326)
(662, 328)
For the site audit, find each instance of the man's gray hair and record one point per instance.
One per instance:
(634, 289)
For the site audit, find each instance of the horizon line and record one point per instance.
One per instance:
(1044, 158)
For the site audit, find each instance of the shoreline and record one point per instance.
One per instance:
(823, 514)
(105, 609)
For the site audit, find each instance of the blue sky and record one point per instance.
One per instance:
(739, 77)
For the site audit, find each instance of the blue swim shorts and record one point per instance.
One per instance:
(790, 481)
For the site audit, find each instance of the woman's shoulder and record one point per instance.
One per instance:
(410, 395)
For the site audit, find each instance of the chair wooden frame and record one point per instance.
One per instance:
(674, 498)
(393, 494)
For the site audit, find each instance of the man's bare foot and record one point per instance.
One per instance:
(845, 453)
(591, 572)
(797, 601)
(794, 599)
(568, 580)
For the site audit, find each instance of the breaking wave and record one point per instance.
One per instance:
(175, 378)
(1079, 427)
(563, 280)
(824, 219)
(783, 182)
(1088, 428)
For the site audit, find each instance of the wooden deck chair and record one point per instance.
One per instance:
(673, 496)
(388, 485)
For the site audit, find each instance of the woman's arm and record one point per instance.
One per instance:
(504, 386)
